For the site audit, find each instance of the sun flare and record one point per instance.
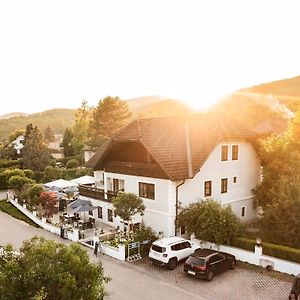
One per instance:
(203, 100)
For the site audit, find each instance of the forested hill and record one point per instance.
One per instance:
(287, 91)
(57, 119)
(251, 106)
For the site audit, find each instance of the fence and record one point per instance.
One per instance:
(115, 252)
(258, 258)
(73, 236)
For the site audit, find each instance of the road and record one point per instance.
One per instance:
(128, 282)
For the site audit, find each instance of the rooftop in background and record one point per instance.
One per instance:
(272, 126)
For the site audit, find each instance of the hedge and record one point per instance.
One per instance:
(243, 243)
(284, 252)
(279, 251)
(8, 163)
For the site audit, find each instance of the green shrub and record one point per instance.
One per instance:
(72, 163)
(29, 173)
(8, 163)
(243, 243)
(38, 176)
(279, 251)
(69, 174)
(282, 252)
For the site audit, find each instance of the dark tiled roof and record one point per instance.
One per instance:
(166, 139)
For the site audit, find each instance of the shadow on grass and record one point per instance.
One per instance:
(14, 212)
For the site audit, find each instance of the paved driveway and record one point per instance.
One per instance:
(244, 282)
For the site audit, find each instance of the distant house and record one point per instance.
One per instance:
(171, 162)
(17, 144)
(55, 146)
(88, 153)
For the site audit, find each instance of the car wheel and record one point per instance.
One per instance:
(232, 264)
(209, 275)
(172, 263)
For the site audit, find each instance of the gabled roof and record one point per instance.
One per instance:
(180, 145)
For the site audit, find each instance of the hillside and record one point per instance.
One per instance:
(57, 119)
(253, 105)
(287, 91)
(12, 115)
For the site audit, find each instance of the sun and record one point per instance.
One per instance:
(202, 100)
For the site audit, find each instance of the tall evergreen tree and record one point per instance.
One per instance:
(36, 155)
(108, 117)
(67, 143)
(81, 127)
(48, 134)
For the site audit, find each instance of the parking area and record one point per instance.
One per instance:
(244, 282)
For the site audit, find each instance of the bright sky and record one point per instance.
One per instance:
(57, 53)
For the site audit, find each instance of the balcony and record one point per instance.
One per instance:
(95, 193)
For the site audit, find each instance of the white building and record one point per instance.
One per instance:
(173, 161)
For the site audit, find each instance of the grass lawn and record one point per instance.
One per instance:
(14, 212)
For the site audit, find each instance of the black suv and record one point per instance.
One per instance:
(295, 291)
(205, 263)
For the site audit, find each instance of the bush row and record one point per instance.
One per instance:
(8, 163)
(279, 251)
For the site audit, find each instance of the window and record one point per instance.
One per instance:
(234, 179)
(110, 215)
(182, 230)
(224, 154)
(146, 190)
(176, 247)
(235, 152)
(207, 188)
(224, 182)
(115, 185)
(243, 211)
(100, 212)
(91, 213)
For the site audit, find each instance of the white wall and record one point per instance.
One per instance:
(159, 213)
(257, 258)
(246, 169)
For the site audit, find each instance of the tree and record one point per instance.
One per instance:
(72, 163)
(52, 173)
(19, 184)
(48, 134)
(28, 130)
(108, 117)
(36, 155)
(66, 143)
(15, 134)
(127, 205)
(33, 194)
(49, 270)
(81, 127)
(210, 222)
(278, 195)
(48, 202)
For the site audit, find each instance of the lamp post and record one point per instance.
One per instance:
(258, 242)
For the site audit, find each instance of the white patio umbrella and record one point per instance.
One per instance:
(60, 184)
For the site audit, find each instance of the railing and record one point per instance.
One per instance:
(95, 193)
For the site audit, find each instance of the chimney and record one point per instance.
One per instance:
(188, 150)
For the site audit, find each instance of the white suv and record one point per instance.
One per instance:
(169, 251)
